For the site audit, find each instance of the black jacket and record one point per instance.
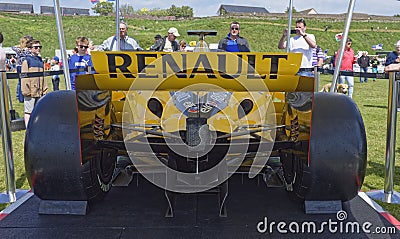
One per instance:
(160, 43)
(363, 61)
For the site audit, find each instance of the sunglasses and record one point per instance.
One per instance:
(37, 47)
(84, 47)
(235, 28)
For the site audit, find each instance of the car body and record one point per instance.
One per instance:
(196, 118)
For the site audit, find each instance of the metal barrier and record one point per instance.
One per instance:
(391, 138)
(317, 76)
(6, 136)
(388, 194)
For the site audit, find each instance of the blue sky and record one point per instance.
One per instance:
(210, 7)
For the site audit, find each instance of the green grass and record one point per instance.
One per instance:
(263, 35)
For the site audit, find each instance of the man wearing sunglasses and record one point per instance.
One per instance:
(33, 87)
(127, 43)
(233, 42)
(79, 60)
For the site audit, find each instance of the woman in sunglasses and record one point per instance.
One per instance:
(233, 42)
(32, 87)
(80, 60)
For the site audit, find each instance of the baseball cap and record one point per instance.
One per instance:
(157, 36)
(174, 31)
(56, 58)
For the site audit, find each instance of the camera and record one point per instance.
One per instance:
(293, 31)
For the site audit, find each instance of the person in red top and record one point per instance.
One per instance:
(347, 65)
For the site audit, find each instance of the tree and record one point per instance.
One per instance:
(184, 11)
(103, 8)
(127, 9)
(173, 10)
(294, 10)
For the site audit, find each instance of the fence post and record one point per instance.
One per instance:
(391, 137)
(388, 194)
(61, 39)
(317, 76)
(6, 136)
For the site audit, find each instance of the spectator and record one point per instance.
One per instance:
(79, 60)
(347, 65)
(394, 56)
(233, 42)
(158, 41)
(21, 52)
(182, 45)
(126, 43)
(318, 56)
(13, 63)
(303, 43)
(2, 54)
(169, 43)
(55, 66)
(363, 61)
(374, 64)
(33, 87)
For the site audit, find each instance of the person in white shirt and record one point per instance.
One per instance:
(302, 43)
(168, 43)
(126, 43)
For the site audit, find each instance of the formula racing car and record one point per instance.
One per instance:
(187, 121)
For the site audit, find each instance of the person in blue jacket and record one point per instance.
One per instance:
(233, 42)
(79, 60)
(394, 56)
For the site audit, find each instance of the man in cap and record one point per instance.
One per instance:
(126, 43)
(169, 43)
(158, 42)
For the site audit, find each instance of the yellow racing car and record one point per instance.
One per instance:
(187, 121)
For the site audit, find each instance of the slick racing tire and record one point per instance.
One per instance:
(337, 152)
(53, 153)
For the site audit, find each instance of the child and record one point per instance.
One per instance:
(55, 66)
(80, 59)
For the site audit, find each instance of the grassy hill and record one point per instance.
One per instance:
(263, 34)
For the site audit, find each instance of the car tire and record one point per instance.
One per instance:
(53, 160)
(337, 156)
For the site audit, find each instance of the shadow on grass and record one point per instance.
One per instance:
(378, 169)
(20, 180)
(376, 106)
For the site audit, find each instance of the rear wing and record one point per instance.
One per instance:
(175, 71)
